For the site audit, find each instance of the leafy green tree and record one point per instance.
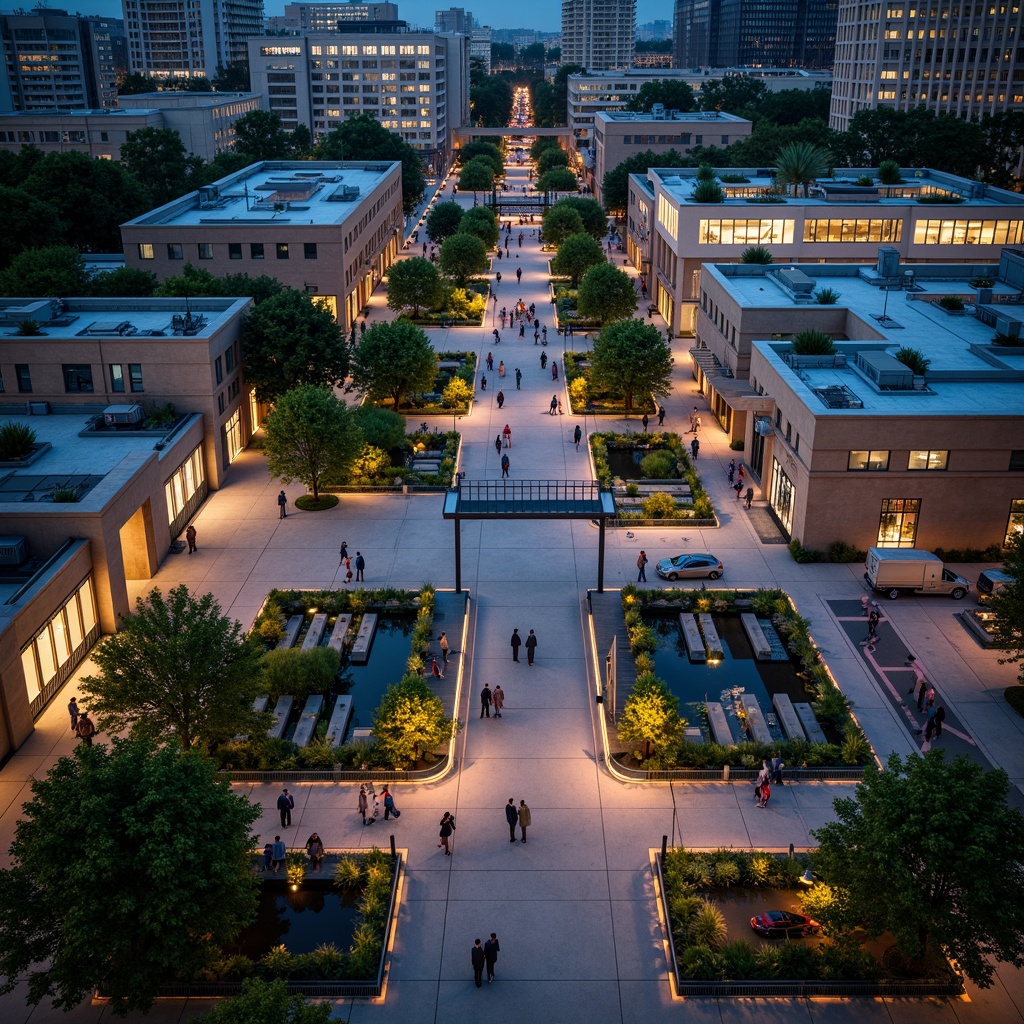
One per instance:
(558, 179)
(576, 255)
(595, 223)
(410, 722)
(791, 106)
(650, 718)
(490, 102)
(288, 340)
(364, 138)
(480, 221)
(550, 158)
(260, 134)
(732, 94)
(300, 143)
(502, 53)
(56, 270)
(914, 851)
(630, 357)
(192, 281)
(178, 671)
(560, 96)
(606, 294)
(554, 55)
(1008, 605)
(412, 282)
(198, 83)
(490, 152)
(675, 95)
(461, 257)
(232, 77)
(477, 175)
(542, 99)
(259, 288)
(28, 223)
(541, 145)
(266, 1002)
(615, 184)
(801, 164)
(101, 892)
(157, 159)
(134, 84)
(221, 166)
(310, 435)
(443, 221)
(382, 428)
(561, 222)
(395, 359)
(531, 56)
(124, 281)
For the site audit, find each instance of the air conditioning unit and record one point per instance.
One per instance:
(38, 408)
(13, 551)
(123, 415)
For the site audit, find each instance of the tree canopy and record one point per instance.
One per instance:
(631, 357)
(132, 866)
(675, 95)
(289, 340)
(56, 270)
(462, 256)
(310, 436)
(595, 223)
(480, 221)
(606, 294)
(615, 184)
(261, 135)
(561, 222)
(488, 151)
(157, 159)
(178, 671)
(576, 255)
(443, 221)
(412, 282)
(930, 851)
(477, 175)
(394, 359)
(550, 157)
(1008, 605)
(558, 179)
(28, 222)
(490, 102)
(409, 722)
(267, 1002)
(650, 719)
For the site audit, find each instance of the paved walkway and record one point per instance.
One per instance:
(573, 908)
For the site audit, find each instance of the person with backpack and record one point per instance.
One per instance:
(85, 729)
(641, 564)
(504, 461)
(390, 810)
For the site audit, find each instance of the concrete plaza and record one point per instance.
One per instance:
(573, 908)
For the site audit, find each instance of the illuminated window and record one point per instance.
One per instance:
(969, 232)
(849, 230)
(929, 459)
(146, 251)
(745, 232)
(868, 460)
(668, 218)
(897, 525)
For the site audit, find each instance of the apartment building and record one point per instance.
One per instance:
(670, 237)
(958, 59)
(598, 34)
(854, 446)
(333, 17)
(329, 228)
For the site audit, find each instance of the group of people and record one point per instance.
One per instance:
(368, 804)
(346, 561)
(517, 642)
(768, 774)
(491, 698)
(81, 724)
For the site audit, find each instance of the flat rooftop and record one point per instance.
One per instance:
(276, 192)
(675, 116)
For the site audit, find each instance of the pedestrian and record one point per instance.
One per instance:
(282, 502)
(777, 767)
(507, 435)
(940, 717)
(73, 712)
(873, 622)
(190, 536)
(731, 471)
(364, 803)
(501, 368)
(268, 855)
(512, 818)
(435, 669)
(491, 948)
(543, 360)
(661, 415)
(766, 794)
(519, 274)
(531, 647)
(477, 953)
(483, 382)
(749, 496)
(490, 358)
(641, 564)
(738, 488)
(927, 694)
(447, 825)
(544, 333)
(524, 817)
(343, 553)
(504, 461)
(443, 644)
(740, 473)
(693, 421)
(390, 810)
(285, 803)
(554, 369)
(929, 727)
(498, 700)
(577, 436)
(553, 407)
(696, 424)
(85, 729)
(560, 413)
(497, 443)
(348, 570)
(315, 849)
(695, 448)
(360, 566)
(501, 398)
(645, 421)
(485, 701)
(522, 330)
(279, 853)
(519, 379)
(516, 642)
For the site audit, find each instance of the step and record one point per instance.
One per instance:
(307, 720)
(691, 634)
(282, 712)
(338, 725)
(360, 653)
(756, 725)
(711, 641)
(291, 632)
(363, 734)
(692, 735)
(341, 624)
(718, 723)
(759, 642)
(810, 722)
(315, 633)
(789, 720)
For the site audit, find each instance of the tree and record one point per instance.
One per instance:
(132, 866)
(615, 184)
(260, 135)
(1008, 605)
(914, 851)
(560, 223)
(192, 281)
(410, 722)
(462, 256)
(382, 428)
(443, 221)
(289, 340)
(650, 718)
(267, 1002)
(134, 84)
(606, 294)
(550, 158)
(232, 77)
(480, 222)
(502, 53)
(177, 671)
(477, 175)
(731, 94)
(576, 255)
(394, 359)
(412, 282)
(259, 288)
(594, 221)
(300, 143)
(28, 223)
(157, 159)
(531, 56)
(558, 179)
(674, 95)
(124, 281)
(56, 270)
(490, 152)
(801, 163)
(631, 357)
(310, 436)
(364, 138)
(490, 102)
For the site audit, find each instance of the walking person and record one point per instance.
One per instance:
(731, 471)
(315, 850)
(524, 818)
(531, 647)
(278, 854)
(498, 700)
(447, 825)
(512, 817)
(577, 436)
(477, 952)
(873, 619)
(443, 644)
(749, 497)
(507, 435)
(390, 810)
(504, 462)
(776, 769)
(940, 717)
(348, 570)
(661, 415)
(491, 948)
(762, 778)
(497, 443)
(766, 794)
(363, 804)
(641, 564)
(285, 803)
(519, 274)
(645, 421)
(490, 358)
(553, 407)
(543, 360)
(85, 729)
(554, 369)
(435, 669)
(519, 379)
(190, 536)
(485, 701)
(360, 566)
(516, 643)
(695, 448)
(73, 712)
(282, 503)
(343, 553)
(929, 727)
(501, 368)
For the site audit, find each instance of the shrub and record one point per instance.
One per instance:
(16, 441)
(737, 445)
(734, 179)
(832, 706)
(457, 393)
(299, 673)
(708, 192)
(658, 466)
(64, 494)
(953, 303)
(855, 748)
(840, 551)
(827, 296)
(382, 428)
(914, 360)
(28, 329)
(579, 392)
(705, 172)
(803, 555)
(940, 199)
(372, 462)
(981, 281)
(865, 181)
(348, 874)
(757, 254)
(812, 343)
(660, 506)
(271, 631)
(707, 927)
(889, 172)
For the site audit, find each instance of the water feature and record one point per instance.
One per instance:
(624, 463)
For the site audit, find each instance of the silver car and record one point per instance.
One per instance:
(699, 566)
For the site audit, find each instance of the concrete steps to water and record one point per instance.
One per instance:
(315, 633)
(282, 712)
(757, 727)
(691, 635)
(712, 643)
(755, 634)
(718, 724)
(809, 721)
(307, 720)
(340, 718)
(360, 653)
(338, 633)
(291, 632)
(788, 719)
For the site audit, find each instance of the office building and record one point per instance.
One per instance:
(416, 84)
(184, 39)
(653, 60)
(336, 17)
(953, 59)
(598, 34)
(54, 59)
(654, 31)
(455, 19)
(480, 46)
(329, 228)
(854, 446)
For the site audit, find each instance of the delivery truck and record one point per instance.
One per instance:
(895, 571)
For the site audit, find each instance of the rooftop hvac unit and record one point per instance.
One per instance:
(888, 261)
(38, 408)
(123, 415)
(1008, 325)
(658, 112)
(885, 370)
(13, 551)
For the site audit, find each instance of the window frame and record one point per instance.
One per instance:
(868, 467)
(927, 467)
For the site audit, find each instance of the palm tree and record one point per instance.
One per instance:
(800, 163)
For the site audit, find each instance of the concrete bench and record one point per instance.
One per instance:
(691, 634)
(360, 653)
(789, 721)
(756, 725)
(693, 735)
(759, 642)
(307, 720)
(282, 712)
(291, 632)
(338, 725)
(721, 731)
(341, 624)
(809, 722)
(716, 652)
(315, 633)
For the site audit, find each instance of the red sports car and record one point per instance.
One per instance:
(781, 924)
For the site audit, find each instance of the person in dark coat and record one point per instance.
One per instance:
(491, 948)
(479, 962)
(512, 817)
(531, 646)
(504, 461)
(516, 643)
(285, 803)
(940, 717)
(447, 828)
(485, 701)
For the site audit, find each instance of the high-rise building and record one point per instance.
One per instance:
(185, 39)
(54, 59)
(953, 59)
(334, 17)
(480, 46)
(653, 31)
(455, 19)
(598, 34)
(754, 33)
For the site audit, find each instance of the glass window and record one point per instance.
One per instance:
(205, 250)
(782, 492)
(1016, 457)
(282, 250)
(309, 250)
(116, 377)
(146, 251)
(255, 250)
(87, 604)
(868, 460)
(229, 359)
(218, 370)
(234, 250)
(897, 527)
(24, 375)
(928, 460)
(1015, 526)
(60, 638)
(135, 376)
(31, 670)
(77, 377)
(174, 251)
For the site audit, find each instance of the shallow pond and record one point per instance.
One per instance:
(624, 463)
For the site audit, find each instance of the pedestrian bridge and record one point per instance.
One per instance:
(470, 131)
